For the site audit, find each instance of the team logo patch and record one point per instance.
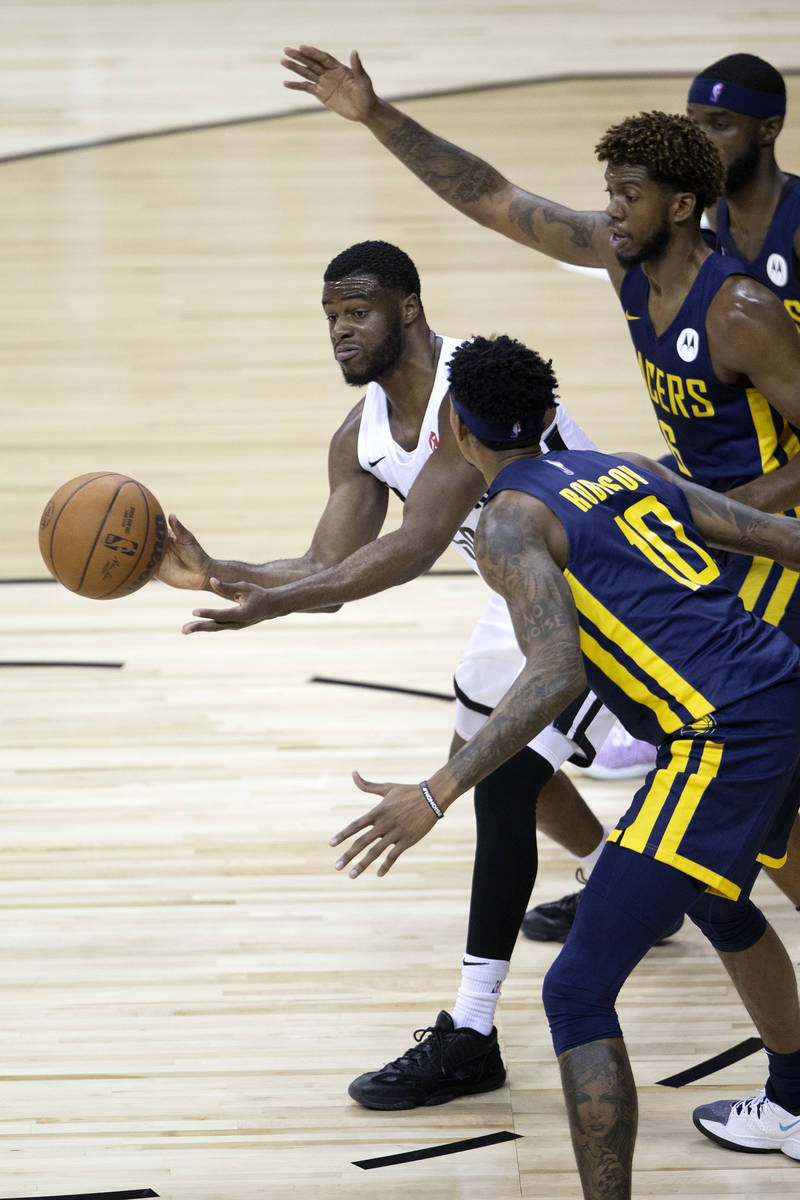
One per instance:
(433, 441)
(688, 344)
(516, 429)
(716, 92)
(778, 270)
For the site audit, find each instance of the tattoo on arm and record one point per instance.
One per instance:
(602, 1110)
(515, 563)
(735, 526)
(524, 210)
(454, 174)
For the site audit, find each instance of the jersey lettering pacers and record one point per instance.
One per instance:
(381, 455)
(720, 435)
(639, 572)
(775, 264)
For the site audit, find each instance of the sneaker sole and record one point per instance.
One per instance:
(488, 1085)
(545, 935)
(731, 1145)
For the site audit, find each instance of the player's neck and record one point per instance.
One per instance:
(672, 275)
(409, 382)
(752, 207)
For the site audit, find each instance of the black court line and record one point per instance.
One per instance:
(37, 579)
(397, 98)
(103, 666)
(382, 687)
(91, 1196)
(711, 1065)
(393, 1160)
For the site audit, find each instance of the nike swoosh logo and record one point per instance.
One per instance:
(786, 1128)
(377, 460)
(630, 318)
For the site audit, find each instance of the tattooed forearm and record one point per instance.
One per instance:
(454, 174)
(726, 523)
(525, 210)
(602, 1110)
(516, 563)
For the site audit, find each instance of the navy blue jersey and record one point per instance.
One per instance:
(665, 643)
(721, 435)
(775, 264)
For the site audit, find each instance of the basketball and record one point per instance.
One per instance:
(102, 535)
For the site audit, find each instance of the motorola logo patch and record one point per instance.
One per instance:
(778, 270)
(688, 344)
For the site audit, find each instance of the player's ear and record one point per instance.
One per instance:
(770, 128)
(683, 206)
(412, 307)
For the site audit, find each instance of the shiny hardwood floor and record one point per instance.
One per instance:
(188, 985)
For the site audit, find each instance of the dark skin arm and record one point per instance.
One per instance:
(521, 548)
(466, 182)
(353, 517)
(442, 496)
(752, 338)
(730, 525)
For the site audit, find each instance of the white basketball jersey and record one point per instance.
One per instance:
(380, 454)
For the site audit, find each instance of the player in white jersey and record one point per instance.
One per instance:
(398, 437)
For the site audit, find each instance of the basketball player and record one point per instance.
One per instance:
(739, 102)
(718, 353)
(396, 438)
(604, 564)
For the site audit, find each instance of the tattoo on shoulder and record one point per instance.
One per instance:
(454, 174)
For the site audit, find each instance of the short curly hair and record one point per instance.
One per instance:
(391, 266)
(502, 381)
(674, 150)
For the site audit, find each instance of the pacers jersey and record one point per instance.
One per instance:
(721, 435)
(381, 455)
(775, 265)
(664, 642)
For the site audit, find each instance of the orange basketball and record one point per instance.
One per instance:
(102, 535)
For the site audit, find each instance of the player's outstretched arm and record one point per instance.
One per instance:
(463, 180)
(516, 559)
(443, 494)
(729, 525)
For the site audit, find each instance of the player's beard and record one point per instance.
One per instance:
(743, 168)
(649, 251)
(379, 362)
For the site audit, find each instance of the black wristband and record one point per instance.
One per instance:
(426, 791)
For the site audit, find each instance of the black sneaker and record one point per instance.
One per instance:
(449, 1062)
(552, 922)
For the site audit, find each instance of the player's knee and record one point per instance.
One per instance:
(729, 925)
(578, 1010)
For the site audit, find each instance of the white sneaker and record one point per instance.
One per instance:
(621, 756)
(755, 1125)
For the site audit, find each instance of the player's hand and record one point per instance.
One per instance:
(185, 563)
(347, 91)
(402, 818)
(251, 605)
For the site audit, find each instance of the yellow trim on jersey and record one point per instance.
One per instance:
(754, 583)
(768, 439)
(784, 590)
(775, 863)
(628, 683)
(638, 833)
(651, 664)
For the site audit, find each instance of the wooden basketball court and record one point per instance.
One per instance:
(188, 985)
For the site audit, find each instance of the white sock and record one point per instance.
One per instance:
(481, 980)
(589, 861)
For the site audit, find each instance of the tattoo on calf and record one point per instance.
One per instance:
(601, 1107)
